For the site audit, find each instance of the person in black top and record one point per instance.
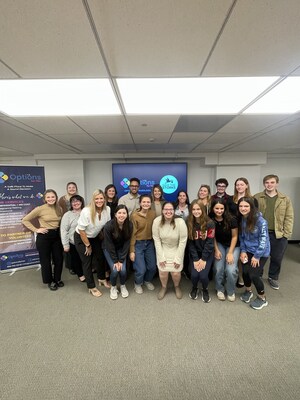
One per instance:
(226, 250)
(117, 233)
(111, 198)
(201, 233)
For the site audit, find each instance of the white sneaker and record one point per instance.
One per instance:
(149, 285)
(231, 298)
(221, 296)
(113, 293)
(124, 291)
(138, 289)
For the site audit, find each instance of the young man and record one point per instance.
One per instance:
(131, 199)
(277, 209)
(221, 185)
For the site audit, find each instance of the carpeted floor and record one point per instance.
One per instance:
(70, 345)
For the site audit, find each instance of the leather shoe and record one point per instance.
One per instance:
(52, 286)
(60, 284)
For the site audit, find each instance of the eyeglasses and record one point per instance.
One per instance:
(134, 186)
(222, 186)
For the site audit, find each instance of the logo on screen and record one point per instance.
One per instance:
(125, 183)
(3, 177)
(169, 184)
(3, 258)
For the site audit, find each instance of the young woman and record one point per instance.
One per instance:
(255, 250)
(142, 252)
(111, 198)
(157, 199)
(182, 205)
(204, 195)
(48, 241)
(88, 243)
(201, 233)
(170, 236)
(64, 201)
(226, 249)
(67, 229)
(117, 234)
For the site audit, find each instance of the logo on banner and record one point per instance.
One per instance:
(39, 195)
(125, 183)
(3, 177)
(169, 184)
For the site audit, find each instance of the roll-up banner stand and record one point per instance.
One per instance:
(21, 190)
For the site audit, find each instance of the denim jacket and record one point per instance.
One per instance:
(256, 242)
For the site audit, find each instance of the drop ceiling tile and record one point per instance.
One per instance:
(152, 123)
(189, 137)
(202, 123)
(114, 138)
(251, 123)
(106, 148)
(50, 125)
(149, 138)
(102, 124)
(226, 138)
(75, 139)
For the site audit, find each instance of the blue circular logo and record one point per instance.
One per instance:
(169, 184)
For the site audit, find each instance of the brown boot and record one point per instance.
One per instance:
(162, 293)
(178, 292)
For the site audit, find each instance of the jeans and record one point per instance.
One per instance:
(201, 276)
(278, 247)
(226, 274)
(145, 261)
(113, 272)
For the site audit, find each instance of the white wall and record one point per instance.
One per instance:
(96, 174)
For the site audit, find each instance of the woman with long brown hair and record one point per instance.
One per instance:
(48, 241)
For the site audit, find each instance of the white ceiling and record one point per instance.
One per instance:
(141, 38)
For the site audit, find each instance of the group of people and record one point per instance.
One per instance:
(233, 236)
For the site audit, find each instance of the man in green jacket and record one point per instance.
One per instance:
(277, 209)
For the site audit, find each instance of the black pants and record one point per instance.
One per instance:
(76, 264)
(50, 248)
(251, 274)
(96, 259)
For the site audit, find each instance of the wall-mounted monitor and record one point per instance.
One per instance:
(171, 176)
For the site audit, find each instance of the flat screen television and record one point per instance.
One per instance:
(171, 176)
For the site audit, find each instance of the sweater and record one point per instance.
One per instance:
(67, 227)
(142, 226)
(202, 247)
(46, 216)
(116, 247)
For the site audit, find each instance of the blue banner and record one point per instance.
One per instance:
(21, 190)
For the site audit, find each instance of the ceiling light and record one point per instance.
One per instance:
(45, 97)
(190, 95)
(282, 99)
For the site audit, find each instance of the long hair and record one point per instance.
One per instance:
(157, 186)
(247, 192)
(92, 204)
(226, 215)
(191, 221)
(163, 219)
(143, 196)
(187, 198)
(111, 186)
(209, 192)
(125, 232)
(76, 197)
(252, 216)
(57, 207)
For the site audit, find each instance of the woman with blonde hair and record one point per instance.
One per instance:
(88, 243)
(204, 196)
(48, 241)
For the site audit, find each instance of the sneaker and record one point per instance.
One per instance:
(113, 293)
(246, 296)
(220, 295)
(273, 283)
(258, 303)
(149, 285)
(138, 289)
(205, 296)
(124, 291)
(231, 297)
(194, 293)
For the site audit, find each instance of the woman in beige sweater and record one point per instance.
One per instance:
(48, 241)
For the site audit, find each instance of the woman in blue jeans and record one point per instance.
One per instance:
(117, 233)
(201, 233)
(142, 252)
(227, 250)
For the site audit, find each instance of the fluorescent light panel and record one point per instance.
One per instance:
(190, 95)
(57, 97)
(283, 99)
